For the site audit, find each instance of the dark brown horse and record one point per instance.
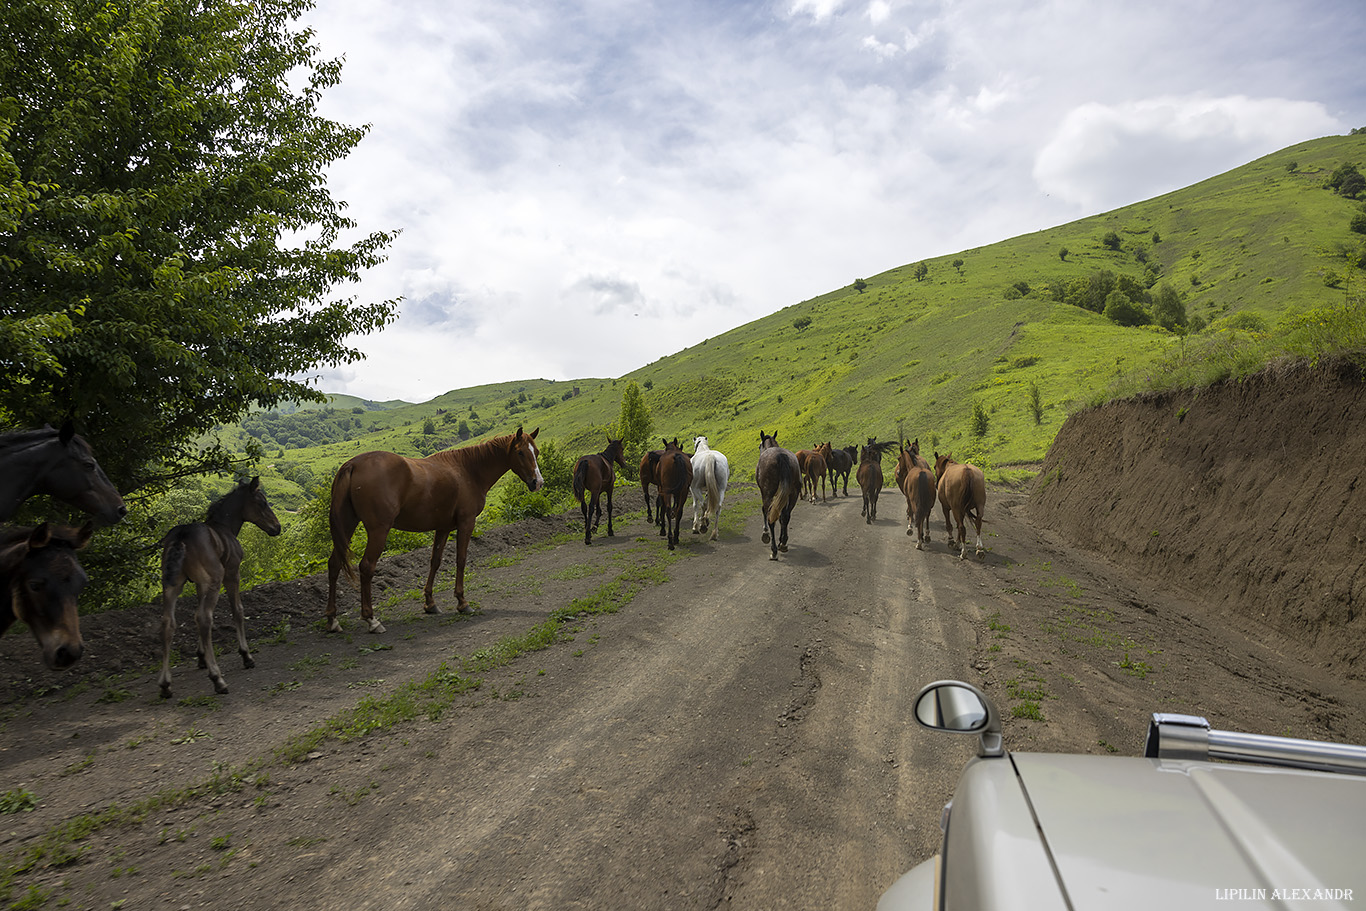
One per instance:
(649, 474)
(58, 463)
(40, 579)
(209, 555)
(812, 465)
(444, 492)
(963, 490)
(839, 463)
(780, 484)
(593, 477)
(674, 477)
(870, 478)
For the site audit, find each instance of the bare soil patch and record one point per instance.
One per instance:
(735, 734)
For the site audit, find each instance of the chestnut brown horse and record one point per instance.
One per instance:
(870, 477)
(444, 492)
(780, 485)
(40, 579)
(209, 555)
(58, 463)
(910, 456)
(917, 484)
(593, 477)
(812, 465)
(674, 477)
(839, 463)
(962, 489)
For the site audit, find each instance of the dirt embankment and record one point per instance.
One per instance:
(1245, 495)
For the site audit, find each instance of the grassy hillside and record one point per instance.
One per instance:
(913, 357)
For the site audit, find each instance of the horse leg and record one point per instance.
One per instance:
(438, 548)
(334, 566)
(462, 546)
(610, 533)
(587, 524)
(203, 621)
(784, 519)
(169, 594)
(232, 582)
(374, 547)
(977, 521)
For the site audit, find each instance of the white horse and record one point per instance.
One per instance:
(710, 474)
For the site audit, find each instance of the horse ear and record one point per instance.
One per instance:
(256, 482)
(39, 537)
(534, 432)
(67, 432)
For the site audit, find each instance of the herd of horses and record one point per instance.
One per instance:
(41, 576)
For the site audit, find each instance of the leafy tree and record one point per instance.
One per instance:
(958, 264)
(1035, 403)
(635, 427)
(980, 422)
(168, 243)
(1358, 223)
(860, 285)
(1169, 311)
(1062, 253)
(1119, 308)
(1111, 240)
(801, 323)
(921, 271)
(1347, 180)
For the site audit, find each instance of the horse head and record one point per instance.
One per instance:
(46, 578)
(257, 511)
(522, 454)
(940, 461)
(615, 451)
(767, 441)
(699, 444)
(74, 477)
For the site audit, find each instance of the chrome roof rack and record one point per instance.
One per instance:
(1189, 737)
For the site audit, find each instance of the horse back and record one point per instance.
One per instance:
(387, 488)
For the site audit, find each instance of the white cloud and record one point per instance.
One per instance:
(1103, 156)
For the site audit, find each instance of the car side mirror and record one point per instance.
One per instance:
(960, 708)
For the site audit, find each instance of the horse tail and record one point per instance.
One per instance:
(711, 472)
(971, 508)
(336, 519)
(786, 481)
(580, 479)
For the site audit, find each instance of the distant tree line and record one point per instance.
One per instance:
(303, 428)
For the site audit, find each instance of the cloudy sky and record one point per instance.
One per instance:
(585, 186)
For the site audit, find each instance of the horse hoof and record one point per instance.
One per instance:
(432, 609)
(782, 548)
(764, 537)
(919, 546)
(248, 661)
(464, 609)
(376, 626)
(220, 687)
(334, 625)
(165, 691)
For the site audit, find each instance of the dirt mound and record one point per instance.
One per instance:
(1244, 495)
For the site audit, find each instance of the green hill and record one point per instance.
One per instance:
(980, 329)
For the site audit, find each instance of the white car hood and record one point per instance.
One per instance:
(1168, 834)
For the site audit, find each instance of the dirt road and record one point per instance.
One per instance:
(736, 734)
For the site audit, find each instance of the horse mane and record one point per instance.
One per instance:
(218, 509)
(13, 440)
(477, 450)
